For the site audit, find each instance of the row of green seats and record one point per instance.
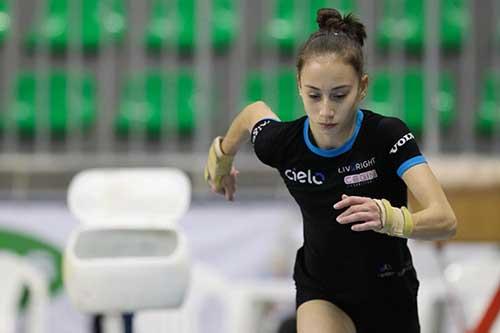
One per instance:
(55, 96)
(171, 23)
(409, 85)
(97, 22)
(291, 24)
(64, 103)
(145, 97)
(175, 24)
(286, 103)
(278, 90)
(408, 26)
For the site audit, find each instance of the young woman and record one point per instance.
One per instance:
(351, 172)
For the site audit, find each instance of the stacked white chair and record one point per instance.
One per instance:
(16, 273)
(127, 254)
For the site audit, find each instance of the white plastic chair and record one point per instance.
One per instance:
(206, 285)
(16, 274)
(243, 315)
(127, 255)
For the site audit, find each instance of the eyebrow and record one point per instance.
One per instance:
(336, 88)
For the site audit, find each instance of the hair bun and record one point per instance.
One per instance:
(330, 20)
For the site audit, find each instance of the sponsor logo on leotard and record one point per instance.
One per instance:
(401, 143)
(259, 128)
(356, 166)
(305, 177)
(360, 178)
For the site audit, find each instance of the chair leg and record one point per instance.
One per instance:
(128, 322)
(97, 324)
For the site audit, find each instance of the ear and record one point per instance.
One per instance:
(363, 86)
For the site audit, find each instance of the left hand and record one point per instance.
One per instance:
(361, 209)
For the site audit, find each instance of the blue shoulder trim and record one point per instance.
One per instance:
(336, 151)
(409, 163)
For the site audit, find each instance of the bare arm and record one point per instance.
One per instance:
(240, 128)
(239, 131)
(432, 215)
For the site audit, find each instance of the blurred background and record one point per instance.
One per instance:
(149, 83)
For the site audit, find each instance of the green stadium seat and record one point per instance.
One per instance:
(488, 117)
(380, 97)
(144, 102)
(5, 20)
(59, 109)
(225, 27)
(288, 28)
(102, 21)
(285, 102)
(409, 28)
(173, 24)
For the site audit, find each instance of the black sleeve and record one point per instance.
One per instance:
(398, 145)
(268, 137)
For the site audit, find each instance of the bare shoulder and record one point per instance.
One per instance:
(257, 111)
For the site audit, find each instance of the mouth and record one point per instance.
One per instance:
(327, 125)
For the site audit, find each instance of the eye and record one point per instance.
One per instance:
(338, 97)
(315, 97)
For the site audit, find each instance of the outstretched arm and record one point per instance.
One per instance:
(219, 172)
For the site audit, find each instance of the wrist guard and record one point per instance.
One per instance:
(218, 164)
(395, 221)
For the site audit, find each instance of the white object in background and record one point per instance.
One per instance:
(243, 316)
(16, 274)
(475, 281)
(206, 287)
(127, 255)
(145, 197)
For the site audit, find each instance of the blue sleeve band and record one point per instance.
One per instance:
(409, 163)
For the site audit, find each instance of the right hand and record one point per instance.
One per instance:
(219, 172)
(228, 185)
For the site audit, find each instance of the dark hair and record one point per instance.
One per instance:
(340, 35)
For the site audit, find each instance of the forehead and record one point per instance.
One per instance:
(328, 70)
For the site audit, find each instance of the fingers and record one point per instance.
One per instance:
(229, 183)
(354, 209)
(360, 209)
(370, 225)
(357, 217)
(349, 201)
(227, 186)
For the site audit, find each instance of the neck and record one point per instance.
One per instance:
(335, 138)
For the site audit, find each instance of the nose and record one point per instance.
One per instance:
(326, 110)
